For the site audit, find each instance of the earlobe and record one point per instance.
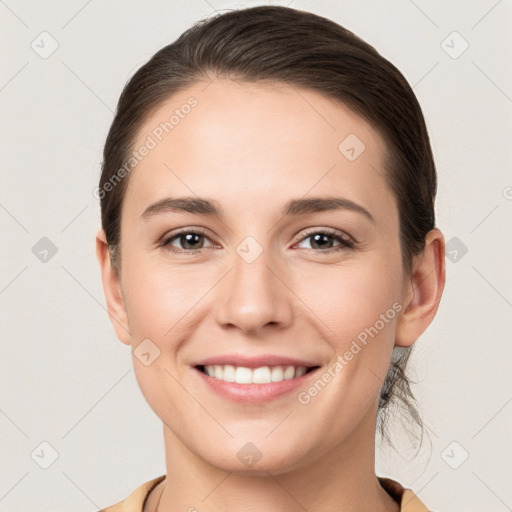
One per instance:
(112, 289)
(422, 293)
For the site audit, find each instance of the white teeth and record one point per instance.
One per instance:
(229, 373)
(289, 373)
(277, 374)
(261, 375)
(243, 375)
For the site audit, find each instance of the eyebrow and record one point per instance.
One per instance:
(294, 207)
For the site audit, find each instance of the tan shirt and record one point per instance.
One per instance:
(408, 501)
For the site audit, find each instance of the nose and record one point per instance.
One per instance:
(254, 295)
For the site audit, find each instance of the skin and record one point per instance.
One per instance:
(252, 147)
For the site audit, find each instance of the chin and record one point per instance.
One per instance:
(255, 458)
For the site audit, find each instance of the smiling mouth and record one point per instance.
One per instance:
(261, 375)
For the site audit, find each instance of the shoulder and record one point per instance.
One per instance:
(408, 501)
(135, 501)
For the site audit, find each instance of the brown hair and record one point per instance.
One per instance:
(285, 45)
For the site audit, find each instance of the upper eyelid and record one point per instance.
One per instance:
(329, 231)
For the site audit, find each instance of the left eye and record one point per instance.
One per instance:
(323, 240)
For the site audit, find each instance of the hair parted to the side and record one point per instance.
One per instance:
(304, 50)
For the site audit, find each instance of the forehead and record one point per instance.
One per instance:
(229, 140)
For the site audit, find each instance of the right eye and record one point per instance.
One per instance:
(189, 241)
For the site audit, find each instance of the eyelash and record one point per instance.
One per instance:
(345, 242)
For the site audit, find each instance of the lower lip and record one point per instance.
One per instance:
(254, 393)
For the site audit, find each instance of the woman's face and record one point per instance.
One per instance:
(274, 279)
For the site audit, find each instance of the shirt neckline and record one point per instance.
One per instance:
(400, 495)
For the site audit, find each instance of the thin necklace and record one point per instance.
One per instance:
(159, 498)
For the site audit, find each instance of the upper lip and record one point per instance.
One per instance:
(255, 361)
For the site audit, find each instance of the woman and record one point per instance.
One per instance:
(269, 251)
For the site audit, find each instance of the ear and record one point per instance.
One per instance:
(422, 291)
(112, 289)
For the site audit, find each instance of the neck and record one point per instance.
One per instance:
(340, 479)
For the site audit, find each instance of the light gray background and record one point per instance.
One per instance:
(65, 378)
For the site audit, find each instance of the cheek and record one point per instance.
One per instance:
(161, 304)
(160, 298)
(356, 309)
(351, 298)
